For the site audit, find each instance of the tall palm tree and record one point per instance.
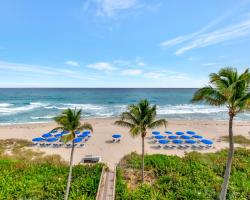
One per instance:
(139, 118)
(227, 87)
(69, 120)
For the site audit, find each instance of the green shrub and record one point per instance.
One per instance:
(194, 176)
(27, 174)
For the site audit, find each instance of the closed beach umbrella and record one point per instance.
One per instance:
(116, 136)
(52, 139)
(185, 137)
(177, 141)
(158, 137)
(76, 140)
(37, 139)
(46, 135)
(172, 137)
(190, 141)
(179, 133)
(163, 141)
(156, 133)
(168, 132)
(190, 132)
(197, 136)
(207, 141)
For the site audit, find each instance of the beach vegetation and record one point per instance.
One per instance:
(28, 174)
(231, 89)
(238, 139)
(70, 120)
(140, 118)
(193, 176)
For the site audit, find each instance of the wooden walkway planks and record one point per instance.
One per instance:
(107, 186)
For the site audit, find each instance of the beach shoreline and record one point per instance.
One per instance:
(100, 143)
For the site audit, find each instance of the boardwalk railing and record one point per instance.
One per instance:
(114, 182)
(100, 183)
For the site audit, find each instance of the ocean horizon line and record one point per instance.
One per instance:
(99, 87)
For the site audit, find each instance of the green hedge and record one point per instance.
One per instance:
(195, 176)
(46, 180)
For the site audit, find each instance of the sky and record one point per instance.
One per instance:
(121, 43)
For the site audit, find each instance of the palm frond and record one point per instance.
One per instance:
(124, 124)
(86, 126)
(158, 123)
(209, 95)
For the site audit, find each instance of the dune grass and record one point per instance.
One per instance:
(195, 176)
(27, 174)
(238, 139)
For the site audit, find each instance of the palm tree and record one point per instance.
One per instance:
(229, 88)
(139, 118)
(69, 120)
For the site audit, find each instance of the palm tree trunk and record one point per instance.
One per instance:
(70, 171)
(142, 160)
(229, 160)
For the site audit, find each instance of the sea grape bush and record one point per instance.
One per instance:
(46, 180)
(194, 176)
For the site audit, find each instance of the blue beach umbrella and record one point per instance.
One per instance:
(77, 132)
(179, 133)
(53, 131)
(163, 141)
(46, 135)
(116, 136)
(190, 141)
(172, 137)
(207, 141)
(78, 139)
(197, 136)
(190, 132)
(185, 137)
(158, 137)
(58, 135)
(52, 139)
(82, 135)
(177, 141)
(37, 139)
(156, 133)
(64, 132)
(168, 132)
(86, 132)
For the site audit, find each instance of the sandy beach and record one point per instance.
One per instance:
(100, 144)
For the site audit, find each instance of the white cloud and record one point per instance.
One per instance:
(38, 69)
(72, 63)
(211, 64)
(104, 66)
(154, 75)
(112, 7)
(166, 76)
(141, 64)
(230, 32)
(131, 72)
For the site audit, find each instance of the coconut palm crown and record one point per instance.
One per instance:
(231, 89)
(139, 118)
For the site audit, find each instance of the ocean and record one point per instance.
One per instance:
(41, 105)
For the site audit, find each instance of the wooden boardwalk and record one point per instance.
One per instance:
(107, 186)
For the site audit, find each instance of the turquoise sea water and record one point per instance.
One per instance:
(39, 105)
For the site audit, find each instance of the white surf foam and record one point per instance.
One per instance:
(189, 109)
(3, 105)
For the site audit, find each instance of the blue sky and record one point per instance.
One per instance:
(121, 43)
